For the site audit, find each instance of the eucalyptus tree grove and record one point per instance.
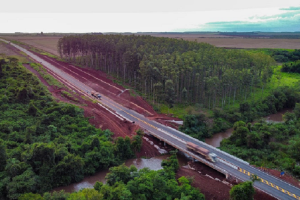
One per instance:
(197, 72)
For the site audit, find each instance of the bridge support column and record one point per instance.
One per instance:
(227, 176)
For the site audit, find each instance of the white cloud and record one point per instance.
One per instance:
(139, 21)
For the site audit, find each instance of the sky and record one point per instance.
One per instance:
(149, 16)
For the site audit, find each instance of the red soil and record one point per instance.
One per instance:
(213, 189)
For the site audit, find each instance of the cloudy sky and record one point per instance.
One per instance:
(149, 15)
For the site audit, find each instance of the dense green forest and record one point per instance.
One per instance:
(268, 145)
(128, 183)
(170, 70)
(201, 127)
(283, 56)
(45, 144)
(293, 67)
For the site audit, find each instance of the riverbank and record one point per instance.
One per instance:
(216, 139)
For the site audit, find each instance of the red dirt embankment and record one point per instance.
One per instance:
(97, 115)
(212, 183)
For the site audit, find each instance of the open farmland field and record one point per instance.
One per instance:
(49, 43)
(46, 43)
(236, 42)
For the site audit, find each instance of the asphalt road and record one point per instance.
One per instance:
(236, 167)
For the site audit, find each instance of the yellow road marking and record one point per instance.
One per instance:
(271, 184)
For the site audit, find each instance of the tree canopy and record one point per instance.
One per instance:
(45, 144)
(171, 70)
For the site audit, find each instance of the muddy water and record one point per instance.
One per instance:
(152, 163)
(218, 137)
(277, 118)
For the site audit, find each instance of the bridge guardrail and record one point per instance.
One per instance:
(192, 154)
(207, 145)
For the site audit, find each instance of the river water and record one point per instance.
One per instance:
(216, 139)
(152, 163)
(155, 162)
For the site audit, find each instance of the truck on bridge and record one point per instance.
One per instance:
(204, 152)
(96, 94)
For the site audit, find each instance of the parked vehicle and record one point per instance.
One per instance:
(200, 150)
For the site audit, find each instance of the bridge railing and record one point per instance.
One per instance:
(191, 154)
(209, 146)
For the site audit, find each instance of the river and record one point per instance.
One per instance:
(89, 181)
(216, 139)
(155, 162)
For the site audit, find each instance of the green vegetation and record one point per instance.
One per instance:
(242, 191)
(65, 93)
(130, 184)
(43, 72)
(188, 79)
(286, 56)
(293, 67)
(268, 145)
(172, 71)
(201, 127)
(8, 58)
(280, 55)
(45, 144)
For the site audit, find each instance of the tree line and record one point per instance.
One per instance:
(283, 56)
(201, 127)
(128, 183)
(268, 145)
(45, 144)
(293, 67)
(170, 70)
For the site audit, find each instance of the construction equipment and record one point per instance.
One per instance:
(96, 94)
(204, 152)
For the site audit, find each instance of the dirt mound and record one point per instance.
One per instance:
(211, 188)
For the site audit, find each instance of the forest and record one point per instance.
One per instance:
(283, 56)
(45, 144)
(128, 183)
(293, 67)
(170, 70)
(201, 127)
(269, 145)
